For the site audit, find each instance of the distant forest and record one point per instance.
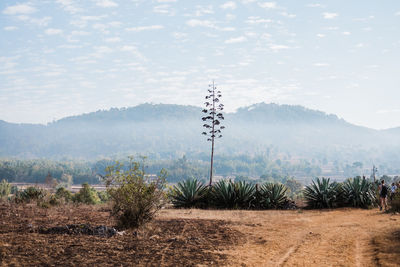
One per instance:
(257, 169)
(262, 140)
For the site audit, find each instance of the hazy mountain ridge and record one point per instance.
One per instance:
(169, 130)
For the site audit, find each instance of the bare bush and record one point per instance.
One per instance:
(135, 196)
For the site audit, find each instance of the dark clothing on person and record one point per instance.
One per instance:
(384, 191)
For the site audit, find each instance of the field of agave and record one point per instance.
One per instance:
(321, 193)
(354, 192)
(227, 194)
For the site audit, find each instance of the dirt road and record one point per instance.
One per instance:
(345, 237)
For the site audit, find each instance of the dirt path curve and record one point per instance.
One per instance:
(344, 237)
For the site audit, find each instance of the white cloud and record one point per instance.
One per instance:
(163, 9)
(66, 46)
(364, 19)
(346, 33)
(115, 23)
(386, 111)
(251, 34)
(320, 35)
(290, 16)
(397, 14)
(133, 49)
(228, 5)
(19, 9)
(52, 31)
(166, 1)
(128, 48)
(321, 64)
(328, 15)
(203, 10)
(201, 23)
(179, 35)
(80, 33)
(315, 5)
(332, 28)
(101, 27)
(82, 21)
(103, 49)
(257, 20)
(113, 40)
(69, 6)
(106, 3)
(276, 47)
(268, 5)
(235, 40)
(227, 29)
(230, 17)
(10, 28)
(145, 28)
(41, 22)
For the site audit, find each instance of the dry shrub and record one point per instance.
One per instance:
(395, 202)
(135, 196)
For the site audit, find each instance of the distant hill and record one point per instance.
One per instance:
(393, 131)
(166, 131)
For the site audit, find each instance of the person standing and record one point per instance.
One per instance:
(383, 192)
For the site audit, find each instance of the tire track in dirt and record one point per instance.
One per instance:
(285, 257)
(307, 238)
(292, 249)
(358, 254)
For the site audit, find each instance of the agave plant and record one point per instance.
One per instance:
(223, 194)
(359, 192)
(323, 194)
(189, 193)
(272, 196)
(244, 194)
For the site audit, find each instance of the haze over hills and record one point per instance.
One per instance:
(167, 131)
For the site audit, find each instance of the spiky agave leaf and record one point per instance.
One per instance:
(188, 193)
(323, 194)
(359, 192)
(245, 194)
(223, 194)
(272, 196)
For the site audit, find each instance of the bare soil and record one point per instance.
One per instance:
(344, 237)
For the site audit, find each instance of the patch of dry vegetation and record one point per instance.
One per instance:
(169, 242)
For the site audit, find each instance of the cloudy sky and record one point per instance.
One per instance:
(66, 57)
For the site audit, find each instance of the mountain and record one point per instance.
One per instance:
(393, 131)
(165, 131)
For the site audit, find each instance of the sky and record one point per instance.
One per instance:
(64, 57)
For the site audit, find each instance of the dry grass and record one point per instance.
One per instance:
(344, 237)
